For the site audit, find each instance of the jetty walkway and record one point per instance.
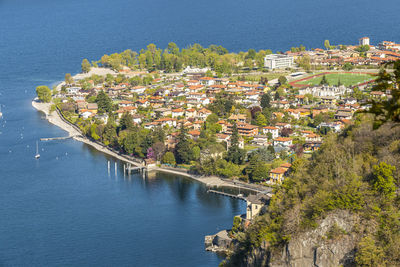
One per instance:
(239, 196)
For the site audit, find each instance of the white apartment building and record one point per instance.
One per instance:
(278, 61)
(363, 41)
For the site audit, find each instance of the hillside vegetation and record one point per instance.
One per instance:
(356, 172)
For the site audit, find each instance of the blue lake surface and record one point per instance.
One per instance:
(65, 209)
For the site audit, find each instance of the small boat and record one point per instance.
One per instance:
(37, 151)
(239, 195)
(1, 114)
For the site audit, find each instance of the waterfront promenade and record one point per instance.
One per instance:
(73, 132)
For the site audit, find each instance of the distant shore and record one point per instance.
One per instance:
(211, 181)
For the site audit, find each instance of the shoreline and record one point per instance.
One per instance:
(211, 181)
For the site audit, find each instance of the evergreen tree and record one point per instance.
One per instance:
(183, 149)
(324, 81)
(126, 121)
(265, 101)
(235, 154)
(104, 102)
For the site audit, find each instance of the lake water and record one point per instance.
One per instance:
(66, 209)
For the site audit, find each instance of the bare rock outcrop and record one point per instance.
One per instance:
(332, 243)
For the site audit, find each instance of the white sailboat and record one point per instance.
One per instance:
(37, 151)
(1, 114)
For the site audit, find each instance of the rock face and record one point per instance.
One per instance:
(332, 243)
(220, 242)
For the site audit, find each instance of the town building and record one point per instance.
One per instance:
(278, 61)
(273, 130)
(254, 205)
(363, 41)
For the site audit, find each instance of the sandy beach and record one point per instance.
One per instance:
(73, 132)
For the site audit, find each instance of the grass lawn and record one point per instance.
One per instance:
(347, 79)
(257, 77)
(249, 147)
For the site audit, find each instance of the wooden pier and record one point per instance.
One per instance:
(226, 194)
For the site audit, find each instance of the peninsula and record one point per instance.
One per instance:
(290, 122)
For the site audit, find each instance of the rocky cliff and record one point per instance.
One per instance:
(332, 243)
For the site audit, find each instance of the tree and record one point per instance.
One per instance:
(388, 110)
(265, 101)
(264, 80)
(212, 118)
(271, 150)
(208, 74)
(183, 149)
(324, 81)
(251, 54)
(158, 149)
(255, 111)
(196, 153)
(168, 158)
(264, 154)
(305, 62)
(237, 225)
(235, 154)
(150, 153)
(68, 78)
(44, 93)
(362, 48)
(282, 80)
(347, 66)
(86, 66)
(368, 253)
(104, 102)
(382, 179)
(126, 121)
(286, 132)
(260, 172)
(327, 45)
(261, 120)
(357, 94)
(172, 48)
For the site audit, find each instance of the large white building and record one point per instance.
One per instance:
(363, 41)
(278, 61)
(324, 90)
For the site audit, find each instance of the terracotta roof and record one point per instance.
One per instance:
(283, 139)
(286, 165)
(278, 170)
(270, 128)
(194, 133)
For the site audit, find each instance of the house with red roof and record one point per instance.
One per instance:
(271, 129)
(207, 81)
(179, 112)
(283, 141)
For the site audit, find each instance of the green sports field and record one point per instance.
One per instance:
(347, 79)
